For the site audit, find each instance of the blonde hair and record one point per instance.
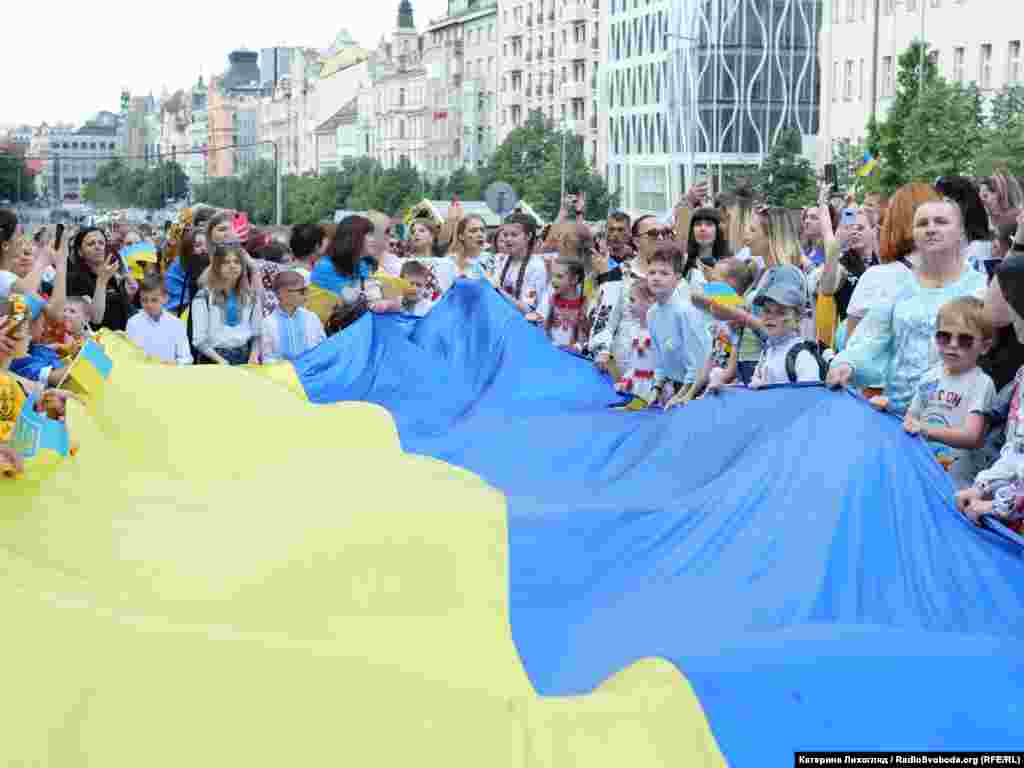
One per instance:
(896, 239)
(969, 311)
(218, 286)
(782, 228)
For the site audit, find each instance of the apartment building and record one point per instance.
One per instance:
(460, 54)
(549, 61)
(861, 41)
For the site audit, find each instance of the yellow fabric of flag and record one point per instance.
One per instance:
(228, 575)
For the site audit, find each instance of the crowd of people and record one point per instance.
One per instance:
(915, 301)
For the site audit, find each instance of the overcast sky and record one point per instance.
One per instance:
(74, 64)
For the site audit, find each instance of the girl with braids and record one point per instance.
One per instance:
(519, 274)
(561, 309)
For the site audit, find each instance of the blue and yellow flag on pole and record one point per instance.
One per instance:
(89, 371)
(34, 433)
(869, 163)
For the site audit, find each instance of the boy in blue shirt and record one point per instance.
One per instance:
(679, 331)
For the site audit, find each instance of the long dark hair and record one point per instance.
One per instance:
(719, 249)
(349, 243)
(76, 246)
(962, 191)
(530, 230)
(8, 225)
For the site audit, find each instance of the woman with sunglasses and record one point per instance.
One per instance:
(895, 343)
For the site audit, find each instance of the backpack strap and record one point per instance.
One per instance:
(794, 352)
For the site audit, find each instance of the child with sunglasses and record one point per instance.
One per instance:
(952, 400)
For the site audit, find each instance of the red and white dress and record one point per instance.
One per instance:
(638, 379)
(561, 318)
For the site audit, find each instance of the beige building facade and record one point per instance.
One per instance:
(861, 41)
(549, 61)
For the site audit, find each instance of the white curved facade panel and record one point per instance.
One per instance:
(691, 86)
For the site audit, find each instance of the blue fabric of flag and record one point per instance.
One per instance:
(794, 553)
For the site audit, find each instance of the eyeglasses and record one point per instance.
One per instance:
(963, 340)
(656, 234)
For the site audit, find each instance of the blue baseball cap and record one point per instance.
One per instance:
(784, 285)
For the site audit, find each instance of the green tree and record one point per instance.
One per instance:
(1002, 147)
(786, 177)
(530, 159)
(888, 137)
(944, 131)
(15, 182)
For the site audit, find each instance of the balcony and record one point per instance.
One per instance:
(577, 51)
(575, 90)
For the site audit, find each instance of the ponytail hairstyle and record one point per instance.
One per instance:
(530, 230)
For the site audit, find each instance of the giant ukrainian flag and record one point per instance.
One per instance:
(491, 569)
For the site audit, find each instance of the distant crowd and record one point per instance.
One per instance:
(912, 300)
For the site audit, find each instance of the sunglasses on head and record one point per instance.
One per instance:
(963, 340)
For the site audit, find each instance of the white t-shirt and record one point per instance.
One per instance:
(878, 285)
(7, 281)
(945, 400)
(771, 368)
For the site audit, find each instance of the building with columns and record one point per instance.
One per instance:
(286, 116)
(549, 61)
(460, 54)
(399, 79)
(975, 41)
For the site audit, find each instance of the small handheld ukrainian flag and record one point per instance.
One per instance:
(34, 433)
(722, 293)
(89, 371)
(868, 164)
(134, 257)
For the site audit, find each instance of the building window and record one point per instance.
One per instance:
(848, 81)
(959, 54)
(651, 194)
(911, 6)
(860, 81)
(837, 12)
(835, 81)
(851, 10)
(888, 77)
(887, 7)
(985, 67)
(1013, 63)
